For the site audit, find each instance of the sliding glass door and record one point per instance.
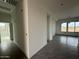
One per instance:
(70, 27)
(64, 27)
(4, 32)
(76, 26)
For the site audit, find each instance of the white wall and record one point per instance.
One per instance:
(5, 10)
(37, 27)
(33, 23)
(37, 20)
(4, 16)
(51, 28)
(18, 27)
(26, 27)
(31, 19)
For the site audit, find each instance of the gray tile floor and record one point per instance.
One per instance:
(8, 50)
(62, 47)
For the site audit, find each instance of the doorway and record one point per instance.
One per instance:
(5, 35)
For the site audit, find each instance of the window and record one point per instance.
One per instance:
(4, 32)
(76, 26)
(63, 27)
(71, 27)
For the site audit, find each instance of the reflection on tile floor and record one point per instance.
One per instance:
(70, 41)
(62, 47)
(8, 50)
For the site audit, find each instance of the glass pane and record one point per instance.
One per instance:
(4, 32)
(76, 26)
(71, 27)
(63, 27)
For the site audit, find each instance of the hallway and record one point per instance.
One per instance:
(9, 50)
(61, 47)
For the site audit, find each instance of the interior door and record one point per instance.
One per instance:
(5, 35)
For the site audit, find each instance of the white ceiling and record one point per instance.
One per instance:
(70, 8)
(55, 4)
